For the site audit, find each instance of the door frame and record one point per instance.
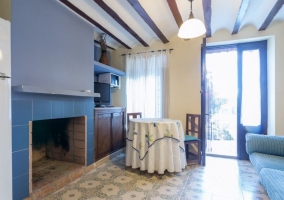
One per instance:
(203, 105)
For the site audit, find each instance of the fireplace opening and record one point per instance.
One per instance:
(58, 149)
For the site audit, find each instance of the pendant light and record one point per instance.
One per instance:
(192, 27)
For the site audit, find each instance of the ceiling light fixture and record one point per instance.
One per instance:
(192, 27)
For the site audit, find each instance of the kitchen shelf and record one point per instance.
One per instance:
(42, 90)
(100, 68)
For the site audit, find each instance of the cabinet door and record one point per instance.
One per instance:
(103, 135)
(117, 130)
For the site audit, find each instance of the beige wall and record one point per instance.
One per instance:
(185, 71)
(5, 9)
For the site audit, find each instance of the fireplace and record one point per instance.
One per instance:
(58, 149)
(36, 145)
(60, 139)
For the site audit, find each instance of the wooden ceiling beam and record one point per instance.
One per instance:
(271, 15)
(207, 12)
(89, 19)
(176, 14)
(242, 11)
(140, 10)
(116, 17)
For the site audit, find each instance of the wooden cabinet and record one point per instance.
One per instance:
(109, 131)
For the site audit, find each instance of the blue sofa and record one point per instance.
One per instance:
(266, 154)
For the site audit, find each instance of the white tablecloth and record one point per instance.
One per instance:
(155, 145)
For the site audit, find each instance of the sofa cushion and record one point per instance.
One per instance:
(265, 144)
(260, 160)
(273, 181)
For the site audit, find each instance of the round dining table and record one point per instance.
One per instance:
(155, 145)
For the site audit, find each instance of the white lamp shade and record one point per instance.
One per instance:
(191, 28)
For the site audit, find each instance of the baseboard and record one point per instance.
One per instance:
(109, 157)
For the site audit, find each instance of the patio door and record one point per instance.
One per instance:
(221, 100)
(252, 96)
(235, 97)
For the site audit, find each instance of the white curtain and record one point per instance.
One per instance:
(147, 84)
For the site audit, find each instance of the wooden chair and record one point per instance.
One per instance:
(193, 136)
(133, 115)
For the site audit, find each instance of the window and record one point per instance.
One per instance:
(147, 83)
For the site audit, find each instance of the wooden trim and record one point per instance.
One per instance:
(116, 17)
(203, 102)
(207, 11)
(89, 19)
(176, 14)
(140, 10)
(271, 15)
(242, 11)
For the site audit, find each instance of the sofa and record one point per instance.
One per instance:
(266, 154)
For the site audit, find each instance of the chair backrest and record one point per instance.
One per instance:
(193, 125)
(133, 115)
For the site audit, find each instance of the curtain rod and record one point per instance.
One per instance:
(150, 51)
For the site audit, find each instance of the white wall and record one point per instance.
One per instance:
(271, 85)
(185, 71)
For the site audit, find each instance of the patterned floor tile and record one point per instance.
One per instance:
(254, 196)
(254, 187)
(168, 190)
(103, 175)
(177, 181)
(249, 177)
(133, 195)
(72, 194)
(110, 190)
(144, 185)
(202, 186)
(221, 179)
(217, 197)
(122, 179)
(89, 184)
(195, 195)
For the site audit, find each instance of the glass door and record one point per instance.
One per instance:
(235, 99)
(222, 90)
(252, 96)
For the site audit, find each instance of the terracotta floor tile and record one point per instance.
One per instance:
(46, 171)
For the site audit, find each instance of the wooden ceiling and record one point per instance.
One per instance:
(129, 23)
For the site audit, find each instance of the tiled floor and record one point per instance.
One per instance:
(221, 179)
(222, 147)
(48, 170)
